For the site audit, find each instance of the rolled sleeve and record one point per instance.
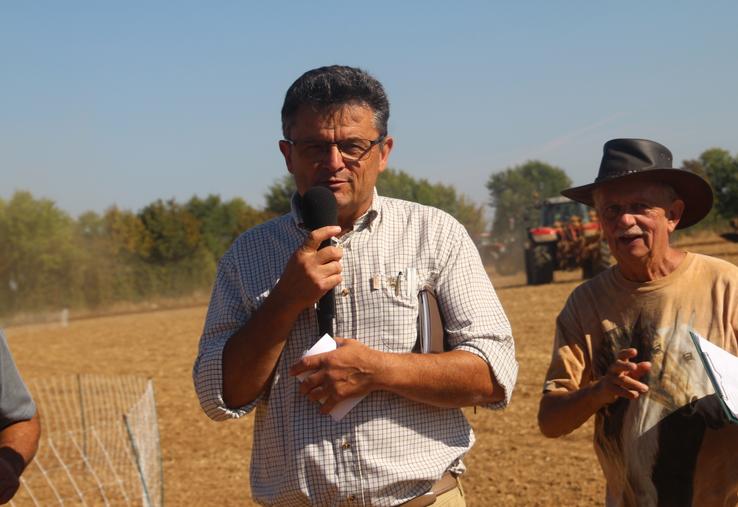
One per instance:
(229, 310)
(570, 365)
(474, 318)
(500, 356)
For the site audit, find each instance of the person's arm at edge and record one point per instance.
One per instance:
(18, 446)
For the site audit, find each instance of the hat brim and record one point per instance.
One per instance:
(692, 189)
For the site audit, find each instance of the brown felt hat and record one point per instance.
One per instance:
(643, 160)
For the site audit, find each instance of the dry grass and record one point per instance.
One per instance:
(206, 463)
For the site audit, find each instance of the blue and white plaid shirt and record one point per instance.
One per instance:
(388, 449)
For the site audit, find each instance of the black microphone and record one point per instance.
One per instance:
(319, 209)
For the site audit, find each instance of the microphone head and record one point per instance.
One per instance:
(319, 208)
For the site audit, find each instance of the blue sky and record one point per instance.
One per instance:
(106, 103)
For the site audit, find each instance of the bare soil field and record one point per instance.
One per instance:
(206, 463)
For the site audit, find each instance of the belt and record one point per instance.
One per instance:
(443, 485)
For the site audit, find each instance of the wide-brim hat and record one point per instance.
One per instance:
(640, 160)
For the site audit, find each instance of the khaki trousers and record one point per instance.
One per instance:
(451, 498)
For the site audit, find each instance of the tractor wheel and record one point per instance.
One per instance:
(539, 265)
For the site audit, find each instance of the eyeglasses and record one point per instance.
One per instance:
(613, 211)
(351, 150)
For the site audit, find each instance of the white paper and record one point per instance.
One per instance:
(725, 366)
(328, 344)
(412, 282)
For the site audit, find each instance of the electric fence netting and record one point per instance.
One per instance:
(99, 446)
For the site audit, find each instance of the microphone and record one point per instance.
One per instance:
(319, 209)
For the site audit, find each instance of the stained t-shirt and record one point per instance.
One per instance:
(16, 403)
(673, 445)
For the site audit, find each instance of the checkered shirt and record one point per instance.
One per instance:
(388, 449)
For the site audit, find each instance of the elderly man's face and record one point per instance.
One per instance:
(312, 160)
(637, 219)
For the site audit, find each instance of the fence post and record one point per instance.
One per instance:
(137, 456)
(158, 441)
(82, 414)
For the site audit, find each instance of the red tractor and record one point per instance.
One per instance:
(568, 236)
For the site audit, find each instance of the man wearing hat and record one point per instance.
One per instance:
(623, 351)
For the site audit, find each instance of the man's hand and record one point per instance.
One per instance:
(311, 271)
(561, 412)
(622, 379)
(348, 371)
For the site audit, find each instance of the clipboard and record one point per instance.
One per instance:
(722, 370)
(431, 330)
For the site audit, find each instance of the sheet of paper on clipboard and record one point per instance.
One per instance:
(722, 368)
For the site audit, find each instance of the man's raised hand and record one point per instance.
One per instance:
(311, 271)
(622, 379)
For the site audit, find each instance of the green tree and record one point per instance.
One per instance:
(722, 171)
(278, 198)
(127, 233)
(399, 184)
(174, 230)
(246, 216)
(98, 264)
(222, 222)
(178, 262)
(39, 260)
(114, 248)
(471, 215)
(515, 191)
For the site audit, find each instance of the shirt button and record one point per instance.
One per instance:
(345, 292)
(345, 445)
(351, 498)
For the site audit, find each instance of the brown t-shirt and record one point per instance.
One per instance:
(672, 446)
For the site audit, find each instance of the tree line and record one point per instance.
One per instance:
(50, 260)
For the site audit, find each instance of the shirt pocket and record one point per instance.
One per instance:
(400, 309)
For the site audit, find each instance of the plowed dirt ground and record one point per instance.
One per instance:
(206, 463)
